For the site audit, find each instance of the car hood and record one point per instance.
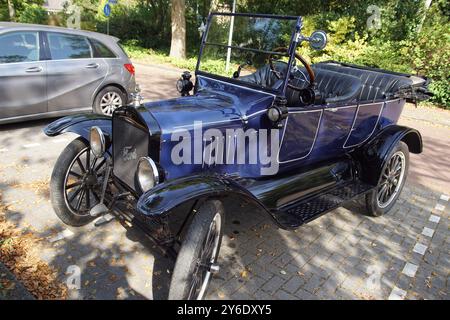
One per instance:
(211, 107)
(184, 112)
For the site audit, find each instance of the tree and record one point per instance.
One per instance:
(12, 9)
(178, 45)
(34, 13)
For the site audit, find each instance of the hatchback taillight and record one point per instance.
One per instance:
(130, 68)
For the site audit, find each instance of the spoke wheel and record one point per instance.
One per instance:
(197, 259)
(206, 260)
(76, 183)
(391, 179)
(83, 181)
(390, 182)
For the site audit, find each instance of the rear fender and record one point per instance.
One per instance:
(80, 124)
(165, 197)
(373, 155)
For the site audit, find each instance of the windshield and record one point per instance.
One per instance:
(244, 43)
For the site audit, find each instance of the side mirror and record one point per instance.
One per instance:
(318, 40)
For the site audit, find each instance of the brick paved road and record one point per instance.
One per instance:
(342, 255)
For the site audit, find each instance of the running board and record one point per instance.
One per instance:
(296, 214)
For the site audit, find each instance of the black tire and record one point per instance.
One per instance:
(375, 205)
(58, 186)
(99, 109)
(191, 248)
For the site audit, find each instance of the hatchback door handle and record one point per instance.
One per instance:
(34, 69)
(92, 66)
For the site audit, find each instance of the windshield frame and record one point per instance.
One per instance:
(295, 37)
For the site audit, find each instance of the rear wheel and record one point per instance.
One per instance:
(108, 100)
(76, 183)
(392, 180)
(197, 259)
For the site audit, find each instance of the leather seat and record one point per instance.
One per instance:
(375, 85)
(335, 88)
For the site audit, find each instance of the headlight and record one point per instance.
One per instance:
(97, 142)
(147, 174)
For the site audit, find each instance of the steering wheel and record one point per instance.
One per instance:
(311, 74)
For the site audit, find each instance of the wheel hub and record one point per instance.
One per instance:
(90, 180)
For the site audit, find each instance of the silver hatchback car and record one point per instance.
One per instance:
(49, 72)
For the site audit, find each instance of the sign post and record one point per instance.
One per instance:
(107, 13)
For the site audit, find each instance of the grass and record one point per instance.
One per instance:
(144, 55)
(151, 56)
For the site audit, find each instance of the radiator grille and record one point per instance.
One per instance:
(130, 143)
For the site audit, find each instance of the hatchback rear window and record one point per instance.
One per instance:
(122, 48)
(101, 50)
(64, 46)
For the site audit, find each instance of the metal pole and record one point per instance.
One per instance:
(230, 37)
(107, 27)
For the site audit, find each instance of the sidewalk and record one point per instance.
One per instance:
(432, 115)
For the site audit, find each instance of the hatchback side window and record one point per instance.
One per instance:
(19, 47)
(101, 50)
(65, 46)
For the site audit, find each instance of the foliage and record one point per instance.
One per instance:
(430, 55)
(397, 45)
(34, 13)
(19, 7)
(19, 252)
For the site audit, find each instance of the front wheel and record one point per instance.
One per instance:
(76, 183)
(392, 180)
(196, 261)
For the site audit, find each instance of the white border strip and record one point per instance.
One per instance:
(315, 137)
(383, 104)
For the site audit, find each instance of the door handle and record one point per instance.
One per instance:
(92, 66)
(34, 69)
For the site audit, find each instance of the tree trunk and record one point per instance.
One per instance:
(178, 46)
(12, 11)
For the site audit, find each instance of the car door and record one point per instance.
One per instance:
(74, 75)
(22, 75)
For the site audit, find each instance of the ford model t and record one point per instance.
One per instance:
(260, 124)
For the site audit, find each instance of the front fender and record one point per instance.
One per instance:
(373, 155)
(167, 196)
(79, 124)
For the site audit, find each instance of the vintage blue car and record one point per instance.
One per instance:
(261, 125)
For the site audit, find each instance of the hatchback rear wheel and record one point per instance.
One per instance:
(108, 100)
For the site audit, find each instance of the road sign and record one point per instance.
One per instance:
(107, 10)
